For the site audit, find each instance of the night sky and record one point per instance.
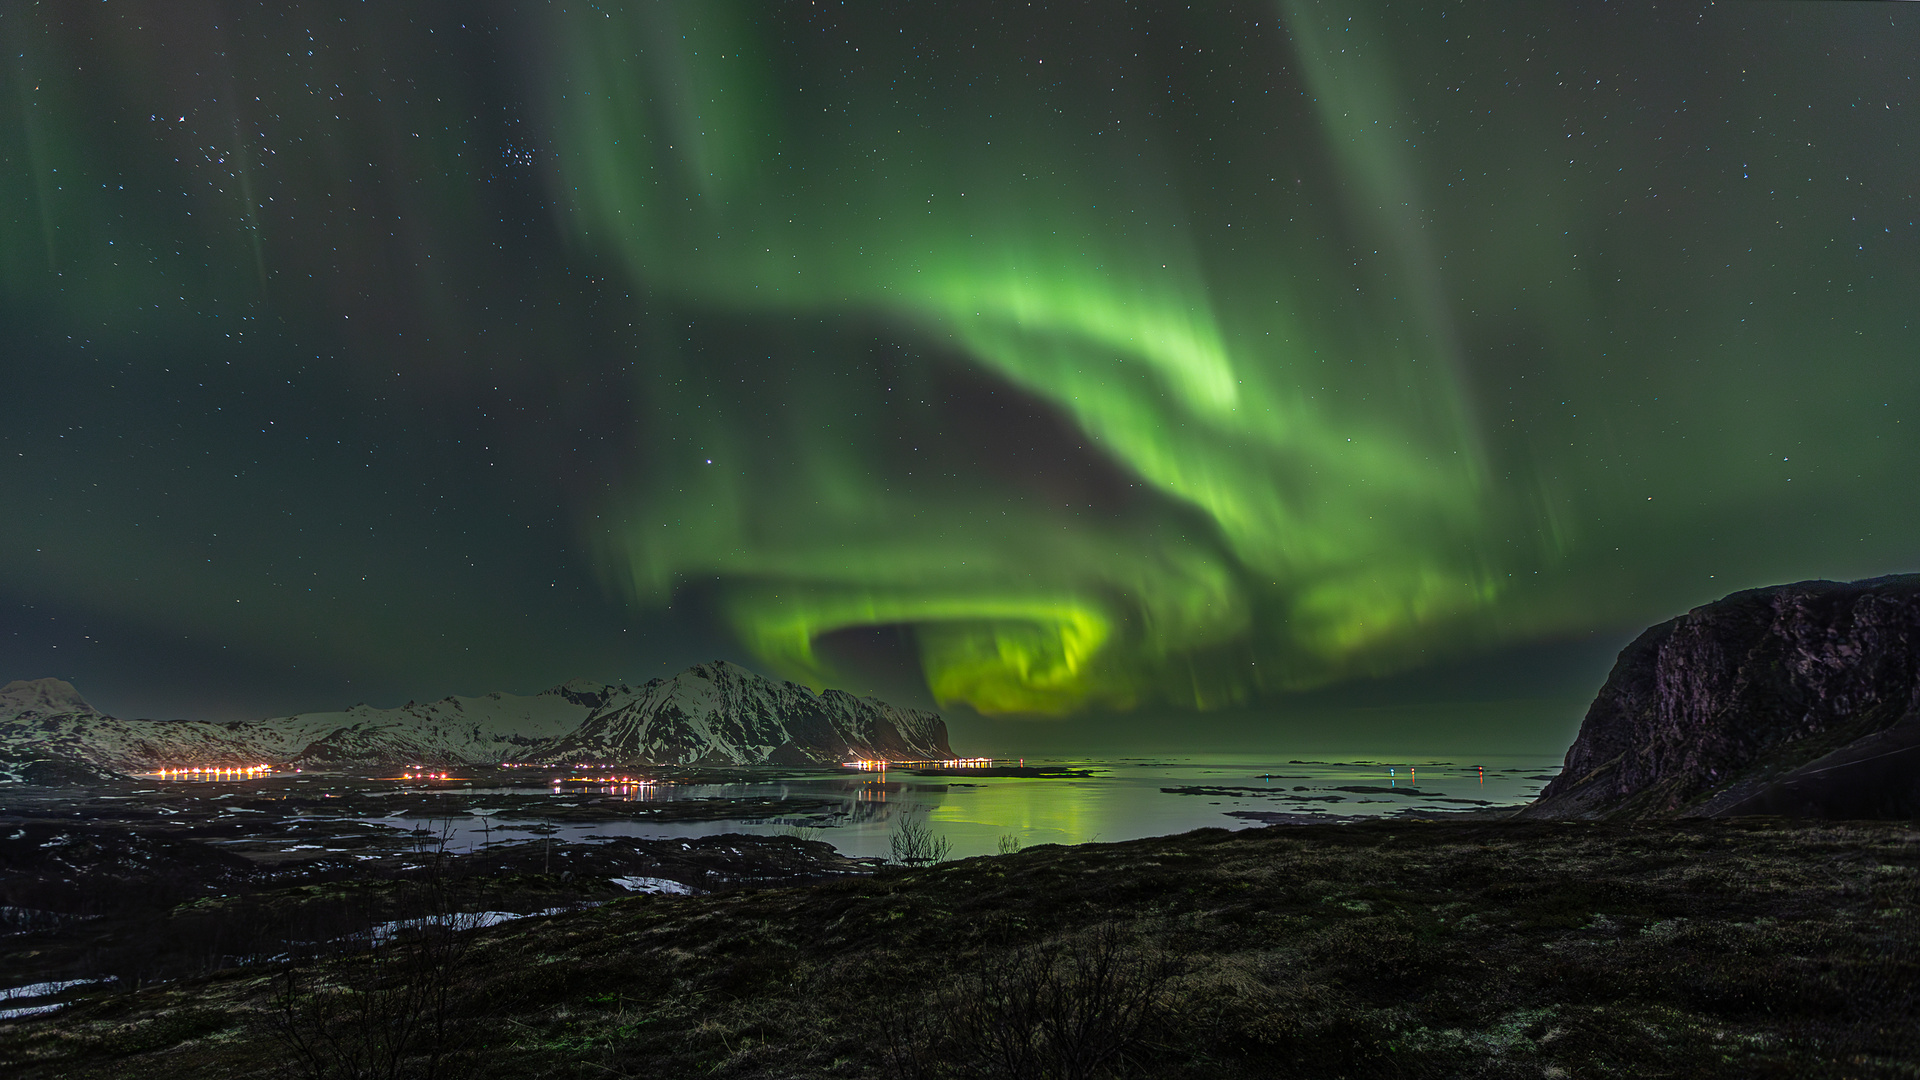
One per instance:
(1201, 376)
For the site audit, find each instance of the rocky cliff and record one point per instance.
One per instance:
(1800, 699)
(718, 713)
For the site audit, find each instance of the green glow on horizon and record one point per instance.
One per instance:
(1339, 534)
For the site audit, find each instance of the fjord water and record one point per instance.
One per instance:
(1119, 799)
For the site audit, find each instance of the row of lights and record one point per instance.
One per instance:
(881, 764)
(418, 772)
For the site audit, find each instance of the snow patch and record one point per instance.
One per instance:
(654, 885)
(466, 920)
(42, 989)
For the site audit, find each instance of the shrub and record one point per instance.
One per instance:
(915, 843)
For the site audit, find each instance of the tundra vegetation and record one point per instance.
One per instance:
(1394, 948)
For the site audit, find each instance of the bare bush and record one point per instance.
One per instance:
(386, 1013)
(915, 843)
(1076, 1010)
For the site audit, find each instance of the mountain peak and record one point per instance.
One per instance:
(50, 696)
(584, 692)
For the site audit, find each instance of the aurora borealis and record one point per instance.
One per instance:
(1047, 360)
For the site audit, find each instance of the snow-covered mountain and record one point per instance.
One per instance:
(42, 697)
(27, 706)
(722, 712)
(49, 718)
(718, 713)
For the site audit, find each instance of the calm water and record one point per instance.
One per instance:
(1122, 800)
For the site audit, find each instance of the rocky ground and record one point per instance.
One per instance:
(1389, 948)
(145, 881)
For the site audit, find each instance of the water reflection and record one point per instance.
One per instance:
(1122, 799)
(876, 791)
(622, 789)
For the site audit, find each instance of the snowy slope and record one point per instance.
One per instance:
(47, 719)
(42, 697)
(34, 746)
(714, 713)
(453, 730)
(723, 713)
(450, 731)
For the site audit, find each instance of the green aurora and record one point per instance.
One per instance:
(1359, 337)
(1047, 246)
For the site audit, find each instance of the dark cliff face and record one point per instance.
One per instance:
(1798, 699)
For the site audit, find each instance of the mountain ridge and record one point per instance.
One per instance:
(711, 713)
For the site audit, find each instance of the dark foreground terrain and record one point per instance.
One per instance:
(1399, 949)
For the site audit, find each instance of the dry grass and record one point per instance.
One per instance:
(1387, 949)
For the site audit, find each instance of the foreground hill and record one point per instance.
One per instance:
(717, 713)
(1799, 699)
(1383, 949)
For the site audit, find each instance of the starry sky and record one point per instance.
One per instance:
(1110, 375)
